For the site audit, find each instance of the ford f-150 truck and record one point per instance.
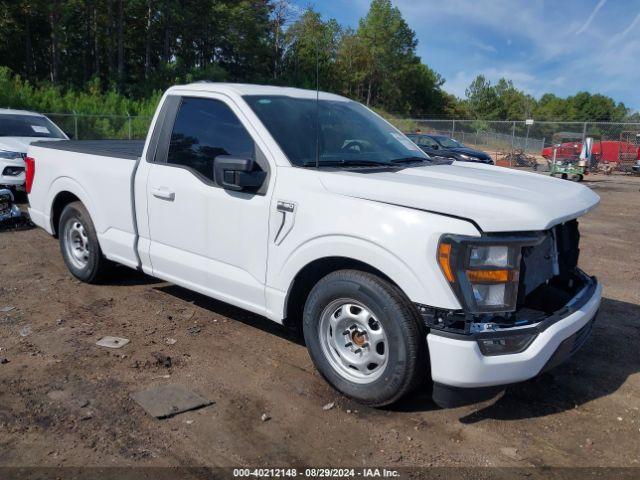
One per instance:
(311, 210)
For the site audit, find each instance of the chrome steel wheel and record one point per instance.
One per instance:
(353, 341)
(76, 243)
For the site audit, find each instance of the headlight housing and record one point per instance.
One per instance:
(12, 171)
(11, 155)
(484, 272)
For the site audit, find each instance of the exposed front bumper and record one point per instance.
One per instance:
(8, 209)
(458, 362)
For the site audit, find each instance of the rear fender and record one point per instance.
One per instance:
(67, 184)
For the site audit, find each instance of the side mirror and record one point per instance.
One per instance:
(237, 174)
(435, 147)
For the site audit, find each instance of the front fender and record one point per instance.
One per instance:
(398, 270)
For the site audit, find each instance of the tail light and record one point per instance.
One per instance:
(30, 173)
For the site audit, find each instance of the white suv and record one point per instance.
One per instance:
(18, 128)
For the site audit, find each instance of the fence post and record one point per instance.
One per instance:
(513, 136)
(453, 128)
(584, 131)
(129, 120)
(75, 125)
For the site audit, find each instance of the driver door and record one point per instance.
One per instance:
(202, 236)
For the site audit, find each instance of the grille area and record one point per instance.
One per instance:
(554, 260)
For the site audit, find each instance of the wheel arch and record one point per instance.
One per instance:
(61, 200)
(315, 269)
(63, 192)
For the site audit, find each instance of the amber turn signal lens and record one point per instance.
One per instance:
(490, 276)
(444, 259)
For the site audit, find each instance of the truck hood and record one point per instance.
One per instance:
(497, 199)
(20, 144)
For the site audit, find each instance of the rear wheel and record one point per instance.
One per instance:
(79, 244)
(364, 337)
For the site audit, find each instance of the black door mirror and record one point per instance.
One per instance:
(237, 174)
(435, 146)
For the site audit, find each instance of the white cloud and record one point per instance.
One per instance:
(484, 46)
(626, 31)
(560, 53)
(591, 17)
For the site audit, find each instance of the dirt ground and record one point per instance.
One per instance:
(66, 402)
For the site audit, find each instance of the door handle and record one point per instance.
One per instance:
(163, 193)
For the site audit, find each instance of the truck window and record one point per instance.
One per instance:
(427, 142)
(345, 131)
(203, 129)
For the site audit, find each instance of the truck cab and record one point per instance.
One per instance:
(311, 210)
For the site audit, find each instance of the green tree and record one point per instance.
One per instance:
(311, 50)
(482, 99)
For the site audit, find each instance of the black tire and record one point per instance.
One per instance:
(95, 263)
(405, 365)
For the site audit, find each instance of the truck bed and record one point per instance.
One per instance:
(125, 149)
(99, 173)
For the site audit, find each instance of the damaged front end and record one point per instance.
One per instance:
(511, 286)
(8, 209)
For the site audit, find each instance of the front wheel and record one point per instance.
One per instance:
(79, 244)
(364, 337)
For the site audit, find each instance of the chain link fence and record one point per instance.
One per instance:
(510, 143)
(517, 143)
(101, 127)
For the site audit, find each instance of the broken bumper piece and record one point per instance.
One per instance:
(465, 372)
(8, 209)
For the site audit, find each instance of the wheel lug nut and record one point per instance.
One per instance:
(348, 344)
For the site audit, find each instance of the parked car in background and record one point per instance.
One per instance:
(443, 146)
(18, 128)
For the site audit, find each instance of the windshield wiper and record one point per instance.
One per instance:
(410, 160)
(349, 163)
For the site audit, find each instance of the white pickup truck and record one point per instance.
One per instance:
(311, 210)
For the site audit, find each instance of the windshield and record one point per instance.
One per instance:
(349, 133)
(447, 142)
(15, 125)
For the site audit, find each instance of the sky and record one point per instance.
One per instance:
(556, 46)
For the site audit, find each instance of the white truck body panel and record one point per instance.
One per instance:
(105, 192)
(242, 249)
(511, 200)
